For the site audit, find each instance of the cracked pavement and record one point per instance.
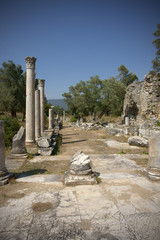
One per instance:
(124, 206)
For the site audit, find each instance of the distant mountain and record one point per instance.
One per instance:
(58, 102)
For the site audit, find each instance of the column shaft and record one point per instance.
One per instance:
(37, 115)
(30, 99)
(41, 83)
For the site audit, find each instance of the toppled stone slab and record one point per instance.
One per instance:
(118, 145)
(138, 141)
(80, 171)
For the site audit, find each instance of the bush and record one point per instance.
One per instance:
(73, 119)
(11, 126)
(158, 124)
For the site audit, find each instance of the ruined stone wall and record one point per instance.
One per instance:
(142, 99)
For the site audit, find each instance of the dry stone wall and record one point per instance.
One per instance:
(142, 99)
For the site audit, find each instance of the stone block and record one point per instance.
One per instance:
(45, 151)
(138, 141)
(44, 142)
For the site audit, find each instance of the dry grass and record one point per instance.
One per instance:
(41, 207)
(46, 167)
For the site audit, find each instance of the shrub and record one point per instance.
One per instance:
(158, 124)
(11, 128)
(73, 119)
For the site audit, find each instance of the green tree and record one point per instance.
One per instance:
(156, 42)
(83, 99)
(113, 93)
(12, 88)
(125, 77)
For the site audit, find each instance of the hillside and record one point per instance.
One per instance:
(58, 102)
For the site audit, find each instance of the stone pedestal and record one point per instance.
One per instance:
(80, 172)
(37, 115)
(41, 83)
(4, 176)
(30, 100)
(153, 168)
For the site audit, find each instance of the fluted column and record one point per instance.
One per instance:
(30, 99)
(37, 115)
(3, 171)
(41, 83)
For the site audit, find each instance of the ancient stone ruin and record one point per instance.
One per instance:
(4, 176)
(80, 171)
(153, 168)
(142, 100)
(18, 145)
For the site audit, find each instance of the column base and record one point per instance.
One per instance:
(4, 178)
(153, 173)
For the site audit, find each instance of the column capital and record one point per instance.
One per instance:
(41, 82)
(30, 62)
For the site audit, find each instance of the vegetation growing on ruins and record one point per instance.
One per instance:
(98, 96)
(156, 42)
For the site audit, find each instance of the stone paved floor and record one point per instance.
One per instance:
(124, 206)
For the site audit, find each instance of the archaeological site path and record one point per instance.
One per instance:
(125, 205)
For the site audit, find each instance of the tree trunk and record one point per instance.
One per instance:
(13, 114)
(24, 115)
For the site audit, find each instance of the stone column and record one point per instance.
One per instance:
(30, 99)
(41, 83)
(4, 176)
(127, 121)
(37, 115)
(153, 168)
(50, 118)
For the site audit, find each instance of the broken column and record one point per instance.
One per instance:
(153, 168)
(127, 121)
(80, 172)
(30, 100)
(4, 176)
(41, 83)
(51, 111)
(37, 115)
(18, 144)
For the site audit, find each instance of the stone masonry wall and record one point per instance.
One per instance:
(142, 99)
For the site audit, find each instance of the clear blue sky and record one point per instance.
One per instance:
(76, 39)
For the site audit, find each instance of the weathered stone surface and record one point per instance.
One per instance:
(142, 99)
(138, 141)
(113, 131)
(4, 176)
(30, 100)
(80, 172)
(18, 142)
(80, 164)
(44, 142)
(72, 180)
(45, 151)
(153, 168)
